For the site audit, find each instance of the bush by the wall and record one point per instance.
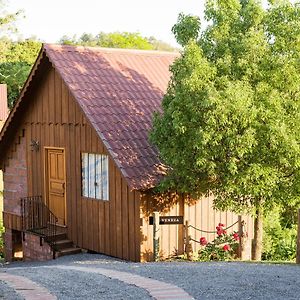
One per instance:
(280, 237)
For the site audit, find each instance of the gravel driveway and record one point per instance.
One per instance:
(216, 280)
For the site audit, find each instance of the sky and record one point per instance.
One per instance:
(50, 20)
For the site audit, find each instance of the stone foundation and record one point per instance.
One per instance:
(33, 251)
(8, 245)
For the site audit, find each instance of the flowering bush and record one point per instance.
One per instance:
(223, 247)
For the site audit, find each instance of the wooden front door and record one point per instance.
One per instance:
(56, 183)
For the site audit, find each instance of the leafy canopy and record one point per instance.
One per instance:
(129, 40)
(231, 114)
(16, 60)
(16, 57)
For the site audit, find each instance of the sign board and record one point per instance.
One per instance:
(167, 220)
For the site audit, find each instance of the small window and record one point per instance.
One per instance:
(94, 176)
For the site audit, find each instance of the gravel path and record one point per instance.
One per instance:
(7, 293)
(65, 284)
(201, 280)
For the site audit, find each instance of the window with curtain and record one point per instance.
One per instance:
(95, 176)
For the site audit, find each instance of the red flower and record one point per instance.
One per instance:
(226, 247)
(236, 236)
(221, 225)
(220, 231)
(203, 241)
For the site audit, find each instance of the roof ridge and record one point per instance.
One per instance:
(104, 49)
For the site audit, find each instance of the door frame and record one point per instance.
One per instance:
(46, 179)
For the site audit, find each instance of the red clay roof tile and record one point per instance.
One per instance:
(119, 90)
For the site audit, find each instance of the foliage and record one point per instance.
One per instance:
(16, 58)
(223, 247)
(7, 19)
(187, 28)
(160, 45)
(279, 240)
(230, 117)
(127, 40)
(16, 61)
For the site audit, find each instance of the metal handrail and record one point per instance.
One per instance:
(39, 219)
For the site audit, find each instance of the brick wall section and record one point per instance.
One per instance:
(8, 244)
(15, 187)
(15, 179)
(33, 251)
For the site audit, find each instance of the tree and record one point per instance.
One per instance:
(117, 40)
(112, 40)
(230, 122)
(15, 64)
(7, 19)
(16, 58)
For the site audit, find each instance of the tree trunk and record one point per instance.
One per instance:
(258, 235)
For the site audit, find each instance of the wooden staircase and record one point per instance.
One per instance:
(39, 220)
(63, 246)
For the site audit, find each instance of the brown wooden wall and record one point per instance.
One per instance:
(199, 214)
(54, 119)
(12, 221)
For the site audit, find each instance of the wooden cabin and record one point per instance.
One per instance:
(78, 166)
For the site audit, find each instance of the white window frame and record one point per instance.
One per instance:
(94, 176)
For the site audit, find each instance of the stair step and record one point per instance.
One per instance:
(68, 251)
(60, 237)
(63, 244)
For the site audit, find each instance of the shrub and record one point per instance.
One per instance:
(223, 247)
(279, 242)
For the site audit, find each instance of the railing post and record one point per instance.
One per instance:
(298, 240)
(156, 235)
(188, 245)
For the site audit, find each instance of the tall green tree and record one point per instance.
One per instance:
(16, 57)
(230, 122)
(16, 61)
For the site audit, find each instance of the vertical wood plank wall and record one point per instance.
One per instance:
(200, 214)
(54, 119)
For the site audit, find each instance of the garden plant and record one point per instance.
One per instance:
(223, 247)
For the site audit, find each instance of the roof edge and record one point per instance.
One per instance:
(106, 49)
(22, 93)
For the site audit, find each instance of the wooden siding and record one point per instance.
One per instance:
(199, 214)
(12, 221)
(55, 120)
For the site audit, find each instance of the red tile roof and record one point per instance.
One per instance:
(118, 90)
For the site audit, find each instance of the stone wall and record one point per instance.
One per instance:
(8, 244)
(15, 187)
(15, 179)
(33, 251)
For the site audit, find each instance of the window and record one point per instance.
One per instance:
(94, 176)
